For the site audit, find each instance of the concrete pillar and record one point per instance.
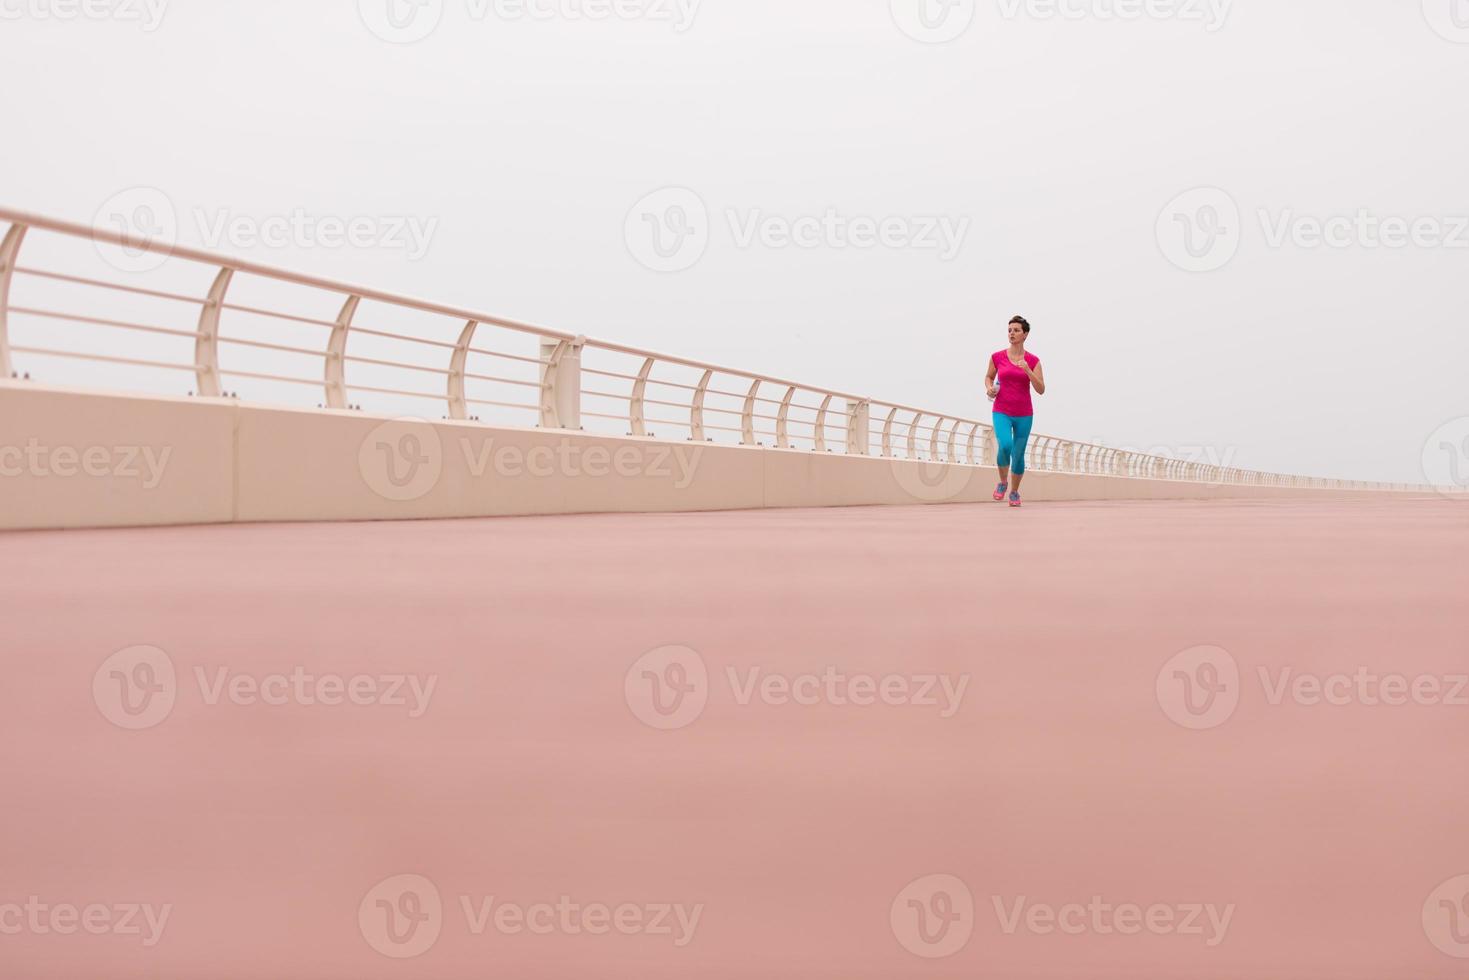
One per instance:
(859, 428)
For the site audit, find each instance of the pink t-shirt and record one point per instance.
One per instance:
(1014, 383)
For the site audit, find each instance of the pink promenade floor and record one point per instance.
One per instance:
(1094, 794)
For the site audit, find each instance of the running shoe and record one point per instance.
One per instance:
(1000, 489)
(1014, 500)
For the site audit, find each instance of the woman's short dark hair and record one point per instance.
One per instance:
(1024, 323)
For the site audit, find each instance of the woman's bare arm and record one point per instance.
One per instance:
(989, 381)
(1037, 377)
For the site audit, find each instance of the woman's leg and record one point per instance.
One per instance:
(1004, 443)
(1017, 454)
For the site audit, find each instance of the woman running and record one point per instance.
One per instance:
(1012, 374)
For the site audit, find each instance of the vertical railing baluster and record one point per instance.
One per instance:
(820, 443)
(696, 409)
(9, 249)
(458, 361)
(747, 417)
(635, 416)
(336, 355)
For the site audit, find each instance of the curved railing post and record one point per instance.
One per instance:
(953, 437)
(9, 249)
(887, 434)
(696, 410)
(782, 419)
(969, 452)
(819, 445)
(747, 416)
(206, 345)
(636, 419)
(336, 355)
(933, 440)
(458, 406)
(913, 435)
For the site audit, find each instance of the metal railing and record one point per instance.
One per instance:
(564, 382)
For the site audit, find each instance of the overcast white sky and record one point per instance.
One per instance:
(1048, 140)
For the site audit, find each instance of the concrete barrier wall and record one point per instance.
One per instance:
(87, 459)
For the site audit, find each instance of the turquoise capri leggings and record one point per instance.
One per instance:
(1011, 434)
